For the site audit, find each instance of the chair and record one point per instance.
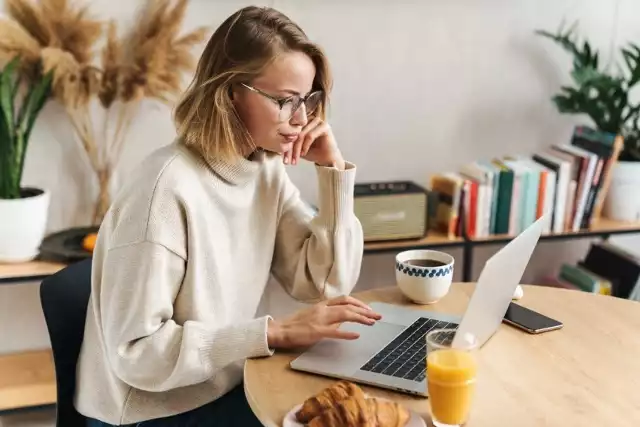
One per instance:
(64, 297)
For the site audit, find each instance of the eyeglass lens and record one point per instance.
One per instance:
(290, 107)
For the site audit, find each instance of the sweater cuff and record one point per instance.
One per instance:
(335, 193)
(235, 343)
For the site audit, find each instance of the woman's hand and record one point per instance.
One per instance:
(321, 320)
(316, 144)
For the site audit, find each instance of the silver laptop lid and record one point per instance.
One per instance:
(496, 285)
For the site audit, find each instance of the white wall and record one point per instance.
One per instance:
(420, 87)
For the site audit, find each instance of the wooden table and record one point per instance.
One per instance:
(586, 374)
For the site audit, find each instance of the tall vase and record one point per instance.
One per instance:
(104, 199)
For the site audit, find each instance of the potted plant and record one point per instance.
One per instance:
(604, 96)
(23, 210)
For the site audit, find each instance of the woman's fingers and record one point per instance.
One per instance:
(346, 299)
(344, 313)
(287, 156)
(297, 148)
(299, 144)
(320, 129)
(339, 334)
(351, 301)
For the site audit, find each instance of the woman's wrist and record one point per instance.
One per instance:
(336, 161)
(274, 333)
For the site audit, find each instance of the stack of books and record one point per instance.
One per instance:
(566, 182)
(607, 269)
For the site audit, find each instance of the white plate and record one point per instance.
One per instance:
(290, 418)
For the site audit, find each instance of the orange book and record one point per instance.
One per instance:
(542, 193)
(448, 188)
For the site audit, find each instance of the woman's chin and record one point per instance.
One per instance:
(279, 148)
(285, 146)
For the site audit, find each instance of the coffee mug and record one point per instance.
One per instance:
(424, 276)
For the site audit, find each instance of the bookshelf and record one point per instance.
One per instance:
(601, 228)
(27, 380)
(28, 271)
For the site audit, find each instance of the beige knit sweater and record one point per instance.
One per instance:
(180, 265)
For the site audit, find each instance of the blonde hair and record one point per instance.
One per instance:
(239, 50)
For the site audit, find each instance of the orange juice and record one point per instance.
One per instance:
(451, 376)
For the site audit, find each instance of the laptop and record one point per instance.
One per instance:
(391, 354)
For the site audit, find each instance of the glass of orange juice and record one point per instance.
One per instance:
(451, 377)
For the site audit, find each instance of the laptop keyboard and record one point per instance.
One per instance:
(404, 357)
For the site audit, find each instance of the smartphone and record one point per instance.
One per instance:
(529, 320)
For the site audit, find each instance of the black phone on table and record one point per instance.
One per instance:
(529, 320)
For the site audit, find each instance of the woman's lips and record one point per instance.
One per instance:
(289, 137)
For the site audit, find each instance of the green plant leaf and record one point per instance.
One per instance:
(34, 102)
(7, 81)
(631, 56)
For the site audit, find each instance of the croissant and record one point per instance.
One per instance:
(357, 412)
(327, 399)
(352, 412)
(385, 413)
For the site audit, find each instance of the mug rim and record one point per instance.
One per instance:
(430, 254)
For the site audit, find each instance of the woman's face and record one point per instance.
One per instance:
(274, 129)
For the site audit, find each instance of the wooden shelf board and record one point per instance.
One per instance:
(602, 226)
(28, 270)
(27, 379)
(432, 239)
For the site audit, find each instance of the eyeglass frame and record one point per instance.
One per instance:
(282, 101)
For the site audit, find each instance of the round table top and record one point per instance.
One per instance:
(585, 374)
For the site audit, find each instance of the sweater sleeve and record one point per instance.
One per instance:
(146, 347)
(319, 256)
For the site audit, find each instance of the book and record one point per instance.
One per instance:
(607, 146)
(588, 162)
(484, 179)
(585, 279)
(495, 179)
(618, 266)
(448, 188)
(505, 189)
(562, 170)
(546, 191)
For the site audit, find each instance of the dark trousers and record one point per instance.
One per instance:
(230, 410)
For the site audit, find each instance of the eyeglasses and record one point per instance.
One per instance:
(289, 105)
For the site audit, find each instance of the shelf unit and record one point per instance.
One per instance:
(27, 379)
(603, 228)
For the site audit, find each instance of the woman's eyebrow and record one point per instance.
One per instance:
(290, 91)
(293, 92)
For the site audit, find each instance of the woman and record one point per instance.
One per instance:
(187, 247)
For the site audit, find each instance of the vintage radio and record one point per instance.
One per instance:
(391, 210)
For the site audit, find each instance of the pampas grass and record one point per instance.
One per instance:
(147, 63)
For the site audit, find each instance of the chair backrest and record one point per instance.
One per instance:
(64, 297)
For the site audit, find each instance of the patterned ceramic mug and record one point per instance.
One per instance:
(424, 276)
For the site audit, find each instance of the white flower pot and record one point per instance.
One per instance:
(623, 198)
(23, 224)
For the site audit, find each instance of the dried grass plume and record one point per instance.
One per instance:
(147, 63)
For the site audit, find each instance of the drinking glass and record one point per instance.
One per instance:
(451, 376)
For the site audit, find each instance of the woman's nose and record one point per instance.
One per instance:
(299, 117)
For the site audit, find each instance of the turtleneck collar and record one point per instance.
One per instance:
(241, 171)
(237, 172)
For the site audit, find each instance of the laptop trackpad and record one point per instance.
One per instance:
(345, 357)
